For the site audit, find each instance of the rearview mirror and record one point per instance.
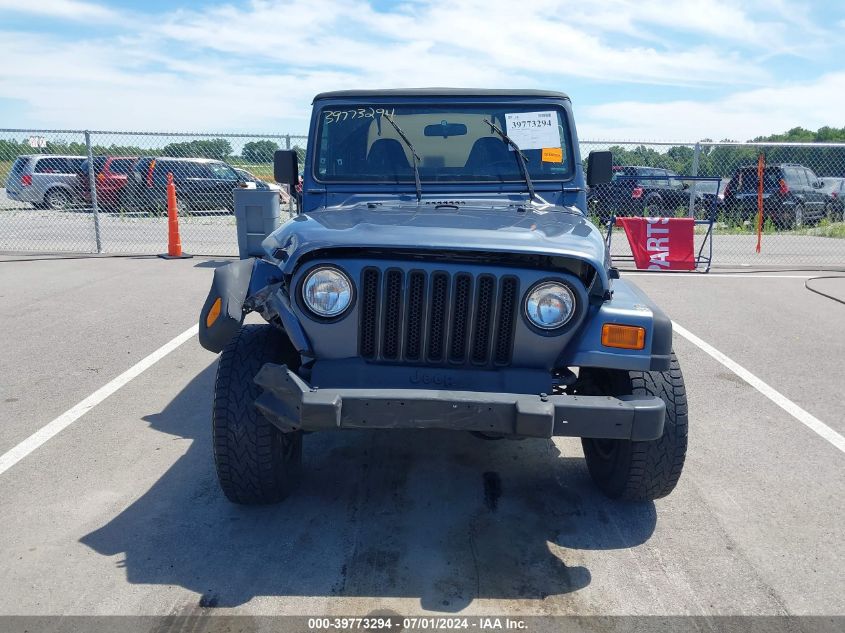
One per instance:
(285, 167)
(599, 168)
(445, 129)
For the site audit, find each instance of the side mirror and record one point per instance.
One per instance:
(599, 168)
(285, 167)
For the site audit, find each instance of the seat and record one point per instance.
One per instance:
(486, 151)
(387, 157)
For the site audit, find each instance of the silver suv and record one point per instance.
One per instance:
(45, 180)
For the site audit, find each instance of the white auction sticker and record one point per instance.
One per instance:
(533, 130)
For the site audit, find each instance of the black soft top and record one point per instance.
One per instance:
(439, 92)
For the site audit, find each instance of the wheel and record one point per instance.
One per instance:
(57, 199)
(256, 463)
(183, 208)
(654, 207)
(639, 471)
(799, 216)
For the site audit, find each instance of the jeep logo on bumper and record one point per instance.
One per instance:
(438, 380)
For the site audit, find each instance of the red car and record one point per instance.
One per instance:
(111, 173)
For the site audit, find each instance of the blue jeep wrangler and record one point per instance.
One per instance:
(441, 274)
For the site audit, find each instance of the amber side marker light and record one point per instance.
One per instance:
(622, 336)
(214, 312)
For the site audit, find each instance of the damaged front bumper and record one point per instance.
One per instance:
(292, 404)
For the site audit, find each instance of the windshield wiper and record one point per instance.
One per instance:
(520, 157)
(413, 154)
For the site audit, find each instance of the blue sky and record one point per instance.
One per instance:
(635, 70)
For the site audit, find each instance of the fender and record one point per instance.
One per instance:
(244, 286)
(230, 285)
(629, 306)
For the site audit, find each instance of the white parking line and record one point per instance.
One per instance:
(805, 418)
(45, 433)
(50, 430)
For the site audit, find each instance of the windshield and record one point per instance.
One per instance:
(453, 142)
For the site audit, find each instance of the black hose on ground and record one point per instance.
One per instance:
(819, 292)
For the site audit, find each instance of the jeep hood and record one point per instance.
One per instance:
(506, 228)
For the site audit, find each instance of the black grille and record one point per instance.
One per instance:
(439, 310)
(436, 317)
(369, 312)
(460, 317)
(415, 315)
(483, 318)
(508, 300)
(392, 314)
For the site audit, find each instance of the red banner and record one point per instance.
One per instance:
(661, 243)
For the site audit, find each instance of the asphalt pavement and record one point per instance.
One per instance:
(120, 513)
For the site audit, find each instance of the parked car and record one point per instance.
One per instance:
(248, 177)
(45, 181)
(465, 310)
(640, 191)
(712, 195)
(792, 195)
(201, 184)
(111, 174)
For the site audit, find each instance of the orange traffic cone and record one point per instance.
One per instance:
(174, 242)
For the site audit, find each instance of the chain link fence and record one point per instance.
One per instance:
(105, 192)
(802, 190)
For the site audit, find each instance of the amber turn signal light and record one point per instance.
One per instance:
(214, 312)
(622, 336)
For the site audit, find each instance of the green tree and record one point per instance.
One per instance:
(218, 148)
(300, 155)
(259, 151)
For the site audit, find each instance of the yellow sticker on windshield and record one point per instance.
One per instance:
(552, 155)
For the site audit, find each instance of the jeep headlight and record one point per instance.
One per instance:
(327, 292)
(549, 305)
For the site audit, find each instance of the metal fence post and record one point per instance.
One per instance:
(696, 155)
(92, 183)
(287, 141)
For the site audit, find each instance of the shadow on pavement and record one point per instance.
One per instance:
(439, 516)
(214, 263)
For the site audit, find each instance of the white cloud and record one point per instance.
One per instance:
(257, 67)
(739, 116)
(454, 41)
(62, 9)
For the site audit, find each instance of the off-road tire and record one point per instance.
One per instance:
(256, 463)
(639, 471)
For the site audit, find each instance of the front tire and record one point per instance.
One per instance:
(256, 463)
(639, 471)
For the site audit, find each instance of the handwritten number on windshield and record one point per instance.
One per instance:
(339, 116)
